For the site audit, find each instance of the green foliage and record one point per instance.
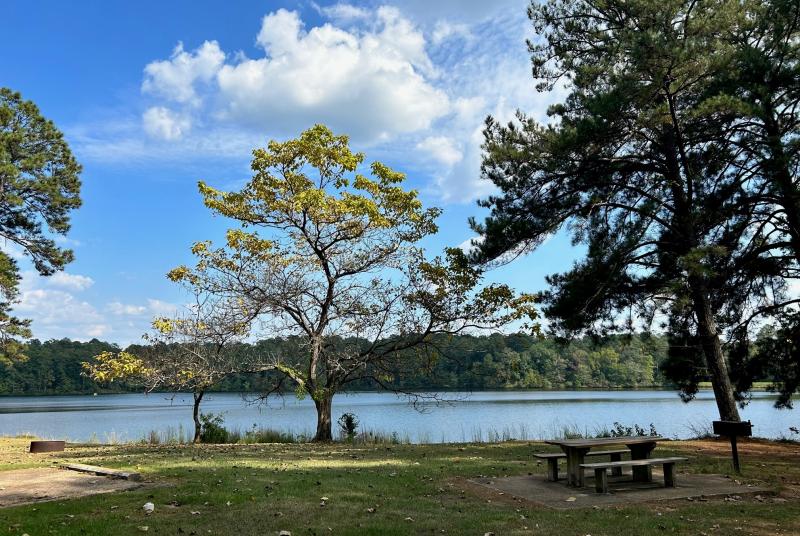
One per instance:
(620, 430)
(673, 160)
(322, 250)
(348, 423)
(464, 363)
(55, 367)
(212, 428)
(39, 187)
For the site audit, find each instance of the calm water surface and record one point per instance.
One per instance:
(472, 416)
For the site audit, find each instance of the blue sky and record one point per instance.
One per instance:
(154, 96)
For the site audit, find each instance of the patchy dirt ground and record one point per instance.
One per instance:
(756, 448)
(24, 486)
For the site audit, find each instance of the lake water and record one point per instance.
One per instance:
(470, 417)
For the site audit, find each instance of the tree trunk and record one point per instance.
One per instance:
(324, 424)
(198, 397)
(715, 359)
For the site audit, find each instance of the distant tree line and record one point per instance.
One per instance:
(463, 362)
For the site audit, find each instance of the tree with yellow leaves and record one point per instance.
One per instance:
(328, 251)
(190, 352)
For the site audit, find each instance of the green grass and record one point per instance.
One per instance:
(262, 489)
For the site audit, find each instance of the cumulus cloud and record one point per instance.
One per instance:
(175, 79)
(414, 86)
(58, 310)
(441, 149)
(162, 123)
(57, 313)
(373, 82)
(370, 84)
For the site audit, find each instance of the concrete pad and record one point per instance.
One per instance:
(622, 490)
(27, 486)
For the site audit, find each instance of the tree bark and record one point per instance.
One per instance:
(324, 423)
(715, 358)
(198, 397)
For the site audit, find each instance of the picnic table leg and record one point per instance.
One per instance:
(641, 451)
(669, 475)
(570, 464)
(552, 469)
(616, 471)
(575, 457)
(600, 481)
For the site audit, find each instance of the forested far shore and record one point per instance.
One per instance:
(466, 362)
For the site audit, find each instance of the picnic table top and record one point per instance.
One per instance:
(602, 441)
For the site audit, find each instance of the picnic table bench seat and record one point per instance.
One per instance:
(553, 457)
(601, 477)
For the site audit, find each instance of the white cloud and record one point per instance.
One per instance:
(175, 79)
(413, 86)
(162, 308)
(123, 309)
(469, 245)
(66, 241)
(57, 310)
(67, 281)
(462, 182)
(152, 308)
(12, 249)
(343, 12)
(58, 314)
(444, 30)
(162, 123)
(441, 149)
(467, 11)
(371, 84)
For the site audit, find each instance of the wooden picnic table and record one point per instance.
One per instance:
(576, 449)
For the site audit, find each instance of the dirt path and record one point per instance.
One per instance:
(757, 448)
(25, 486)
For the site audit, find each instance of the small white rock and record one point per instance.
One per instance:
(148, 508)
(284, 533)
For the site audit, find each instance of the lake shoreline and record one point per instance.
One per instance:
(758, 389)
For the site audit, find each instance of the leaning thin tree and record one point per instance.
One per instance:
(331, 255)
(189, 352)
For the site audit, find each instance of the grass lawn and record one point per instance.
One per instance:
(381, 490)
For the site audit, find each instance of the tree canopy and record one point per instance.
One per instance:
(39, 187)
(327, 253)
(648, 165)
